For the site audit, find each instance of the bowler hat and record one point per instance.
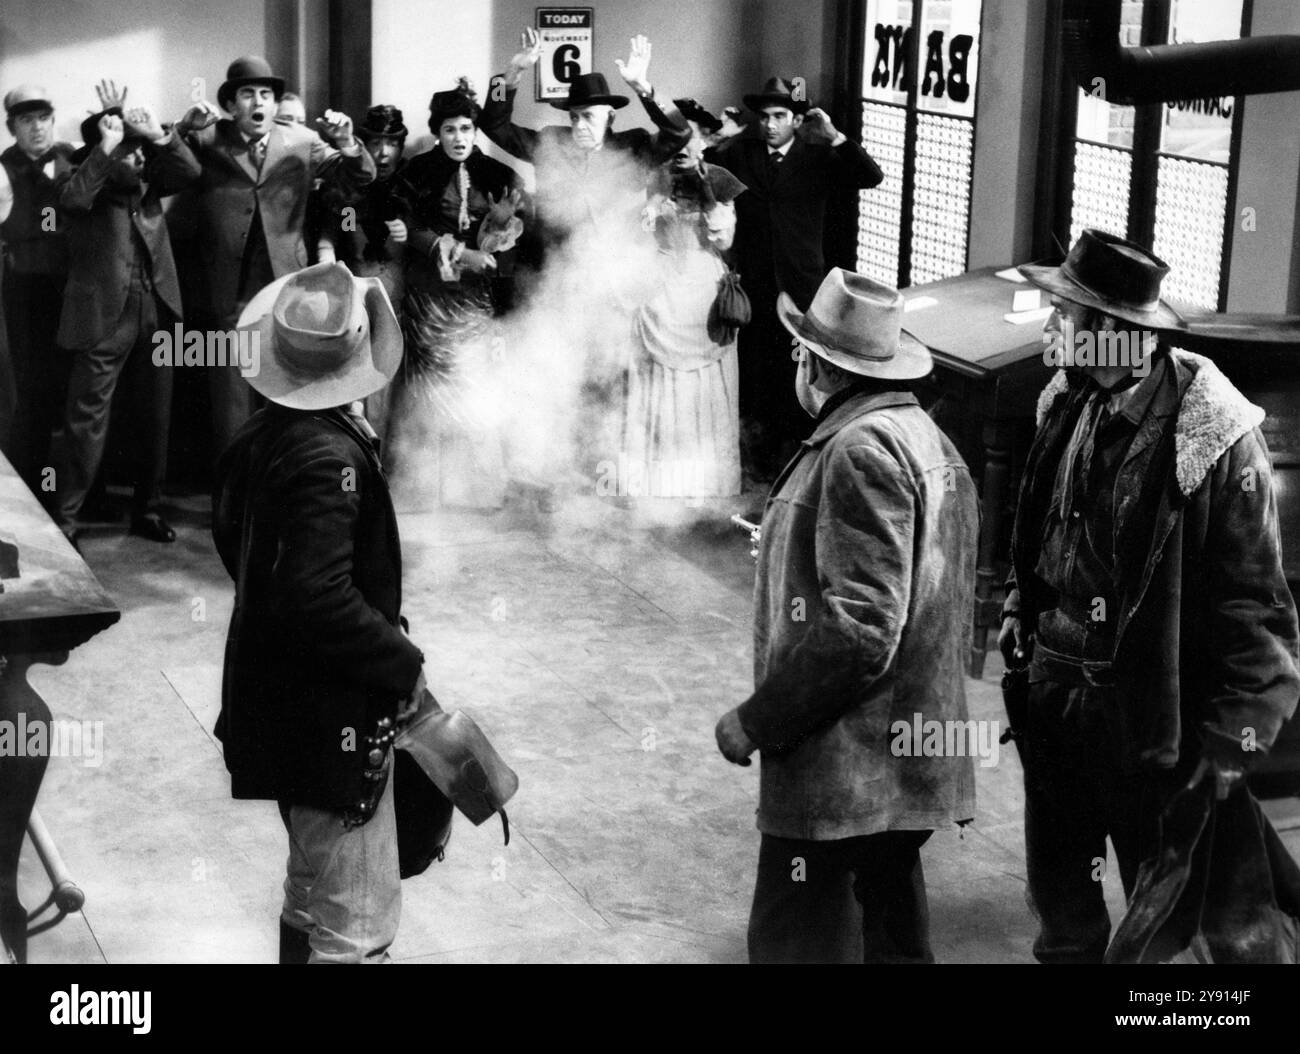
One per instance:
(590, 89)
(1113, 275)
(776, 92)
(25, 98)
(856, 324)
(382, 120)
(325, 338)
(248, 69)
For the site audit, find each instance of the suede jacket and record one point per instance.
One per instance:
(863, 600)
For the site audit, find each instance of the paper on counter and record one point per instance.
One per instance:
(1011, 275)
(919, 302)
(1019, 318)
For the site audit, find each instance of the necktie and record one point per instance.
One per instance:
(258, 148)
(774, 160)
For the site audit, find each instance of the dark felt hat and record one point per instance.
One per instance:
(248, 69)
(460, 101)
(382, 120)
(693, 111)
(1111, 274)
(90, 134)
(776, 92)
(590, 89)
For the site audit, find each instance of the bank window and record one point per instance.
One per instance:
(914, 227)
(1160, 174)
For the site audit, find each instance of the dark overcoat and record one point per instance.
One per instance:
(316, 654)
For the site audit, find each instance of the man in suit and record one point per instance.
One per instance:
(792, 167)
(35, 373)
(122, 288)
(253, 197)
(588, 175)
(317, 663)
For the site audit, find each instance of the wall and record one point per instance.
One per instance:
(1006, 134)
(153, 46)
(1263, 273)
(714, 50)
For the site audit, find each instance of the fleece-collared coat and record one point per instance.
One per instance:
(1206, 631)
(862, 619)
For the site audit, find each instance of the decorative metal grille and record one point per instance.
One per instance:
(881, 208)
(941, 209)
(1102, 175)
(1191, 200)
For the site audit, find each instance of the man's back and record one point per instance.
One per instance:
(304, 525)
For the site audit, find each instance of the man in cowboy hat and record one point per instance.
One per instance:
(317, 662)
(586, 167)
(865, 580)
(1146, 593)
(792, 167)
(122, 289)
(252, 201)
(34, 373)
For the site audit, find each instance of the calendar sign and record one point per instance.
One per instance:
(566, 34)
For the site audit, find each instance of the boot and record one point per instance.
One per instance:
(295, 948)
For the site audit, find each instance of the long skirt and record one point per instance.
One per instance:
(682, 433)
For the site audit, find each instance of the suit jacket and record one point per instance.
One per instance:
(862, 601)
(576, 186)
(231, 190)
(102, 214)
(316, 654)
(779, 223)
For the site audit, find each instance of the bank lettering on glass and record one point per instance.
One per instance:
(894, 60)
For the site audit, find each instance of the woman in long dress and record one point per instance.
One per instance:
(682, 432)
(460, 211)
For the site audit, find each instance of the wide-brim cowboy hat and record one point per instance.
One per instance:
(325, 338)
(856, 324)
(590, 89)
(1113, 275)
(248, 69)
(776, 92)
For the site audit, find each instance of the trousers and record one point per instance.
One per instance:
(1080, 787)
(37, 370)
(123, 356)
(848, 900)
(343, 888)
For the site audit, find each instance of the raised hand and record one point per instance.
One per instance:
(109, 96)
(636, 70)
(140, 121)
(817, 127)
(197, 117)
(336, 127)
(530, 51)
(111, 132)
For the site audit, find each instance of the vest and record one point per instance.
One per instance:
(30, 247)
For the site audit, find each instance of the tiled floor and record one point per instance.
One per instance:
(597, 648)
